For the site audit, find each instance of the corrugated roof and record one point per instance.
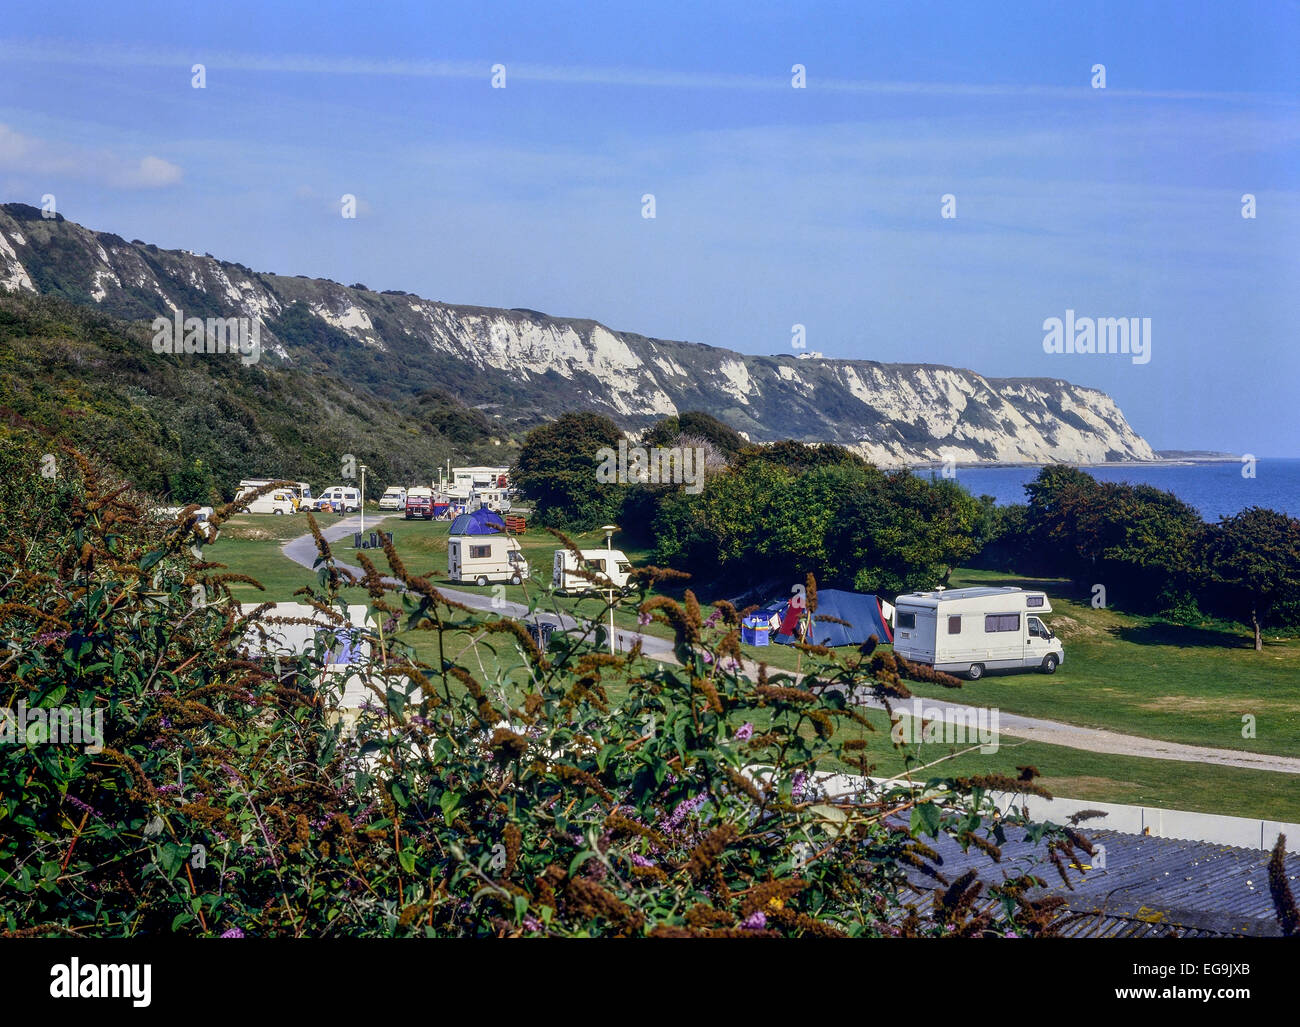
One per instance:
(1149, 886)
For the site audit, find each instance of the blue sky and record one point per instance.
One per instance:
(775, 206)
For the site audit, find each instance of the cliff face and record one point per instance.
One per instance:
(519, 366)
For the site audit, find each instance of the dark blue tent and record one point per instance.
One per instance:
(861, 612)
(478, 522)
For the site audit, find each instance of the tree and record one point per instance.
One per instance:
(192, 484)
(557, 471)
(696, 425)
(798, 456)
(1254, 556)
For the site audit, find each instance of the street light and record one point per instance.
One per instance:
(363, 499)
(609, 530)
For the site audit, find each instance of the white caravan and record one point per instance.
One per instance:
(971, 630)
(485, 558)
(394, 498)
(609, 563)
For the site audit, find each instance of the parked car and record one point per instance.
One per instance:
(971, 630)
(340, 498)
(419, 503)
(394, 498)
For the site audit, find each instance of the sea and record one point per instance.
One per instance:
(1216, 489)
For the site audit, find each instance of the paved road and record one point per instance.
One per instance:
(302, 550)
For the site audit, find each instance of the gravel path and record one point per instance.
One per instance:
(302, 550)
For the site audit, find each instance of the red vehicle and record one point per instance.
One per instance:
(419, 504)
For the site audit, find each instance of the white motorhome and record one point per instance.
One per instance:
(394, 498)
(277, 501)
(485, 558)
(495, 499)
(612, 564)
(971, 630)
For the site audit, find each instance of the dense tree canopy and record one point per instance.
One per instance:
(557, 471)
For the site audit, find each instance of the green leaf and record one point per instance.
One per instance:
(580, 859)
(150, 559)
(449, 801)
(926, 819)
(407, 858)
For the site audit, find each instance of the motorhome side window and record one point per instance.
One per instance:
(480, 552)
(906, 620)
(1033, 600)
(954, 625)
(1002, 622)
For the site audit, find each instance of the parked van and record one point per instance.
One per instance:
(341, 498)
(300, 490)
(611, 563)
(419, 502)
(277, 501)
(971, 630)
(485, 558)
(394, 498)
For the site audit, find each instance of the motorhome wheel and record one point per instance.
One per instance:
(481, 581)
(1049, 664)
(976, 671)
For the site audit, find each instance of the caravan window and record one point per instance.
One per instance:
(1033, 600)
(906, 620)
(1002, 622)
(480, 552)
(954, 625)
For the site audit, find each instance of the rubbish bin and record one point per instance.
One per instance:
(541, 632)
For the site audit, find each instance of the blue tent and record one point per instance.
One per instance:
(478, 522)
(862, 613)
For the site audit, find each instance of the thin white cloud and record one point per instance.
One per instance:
(59, 52)
(43, 158)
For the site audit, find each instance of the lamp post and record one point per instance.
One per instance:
(363, 499)
(609, 530)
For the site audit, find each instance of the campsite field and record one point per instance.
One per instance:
(250, 545)
(1131, 674)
